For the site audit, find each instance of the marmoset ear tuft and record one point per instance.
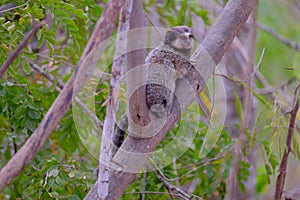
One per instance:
(171, 35)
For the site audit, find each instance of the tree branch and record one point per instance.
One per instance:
(102, 31)
(14, 55)
(279, 37)
(171, 188)
(10, 6)
(112, 107)
(282, 167)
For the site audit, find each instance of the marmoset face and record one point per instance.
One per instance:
(180, 38)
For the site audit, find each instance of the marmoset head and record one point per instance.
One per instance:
(180, 38)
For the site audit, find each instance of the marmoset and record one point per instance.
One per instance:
(164, 65)
(164, 68)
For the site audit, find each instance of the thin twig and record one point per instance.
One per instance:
(172, 188)
(144, 185)
(175, 171)
(157, 193)
(13, 7)
(20, 85)
(14, 55)
(283, 165)
(195, 166)
(279, 37)
(153, 24)
(252, 74)
(259, 61)
(269, 90)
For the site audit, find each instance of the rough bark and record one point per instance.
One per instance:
(112, 107)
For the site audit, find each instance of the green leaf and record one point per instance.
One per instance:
(242, 187)
(54, 194)
(2, 20)
(31, 124)
(5, 123)
(273, 161)
(15, 36)
(4, 107)
(50, 46)
(22, 20)
(53, 172)
(244, 174)
(37, 12)
(20, 112)
(26, 67)
(39, 34)
(22, 123)
(33, 106)
(262, 180)
(33, 114)
(72, 174)
(262, 99)
(238, 105)
(245, 164)
(11, 28)
(7, 153)
(79, 13)
(68, 144)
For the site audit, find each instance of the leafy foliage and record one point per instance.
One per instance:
(25, 96)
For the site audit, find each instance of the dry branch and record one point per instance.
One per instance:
(112, 107)
(14, 55)
(173, 189)
(283, 164)
(216, 42)
(102, 31)
(279, 37)
(10, 6)
(6, 7)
